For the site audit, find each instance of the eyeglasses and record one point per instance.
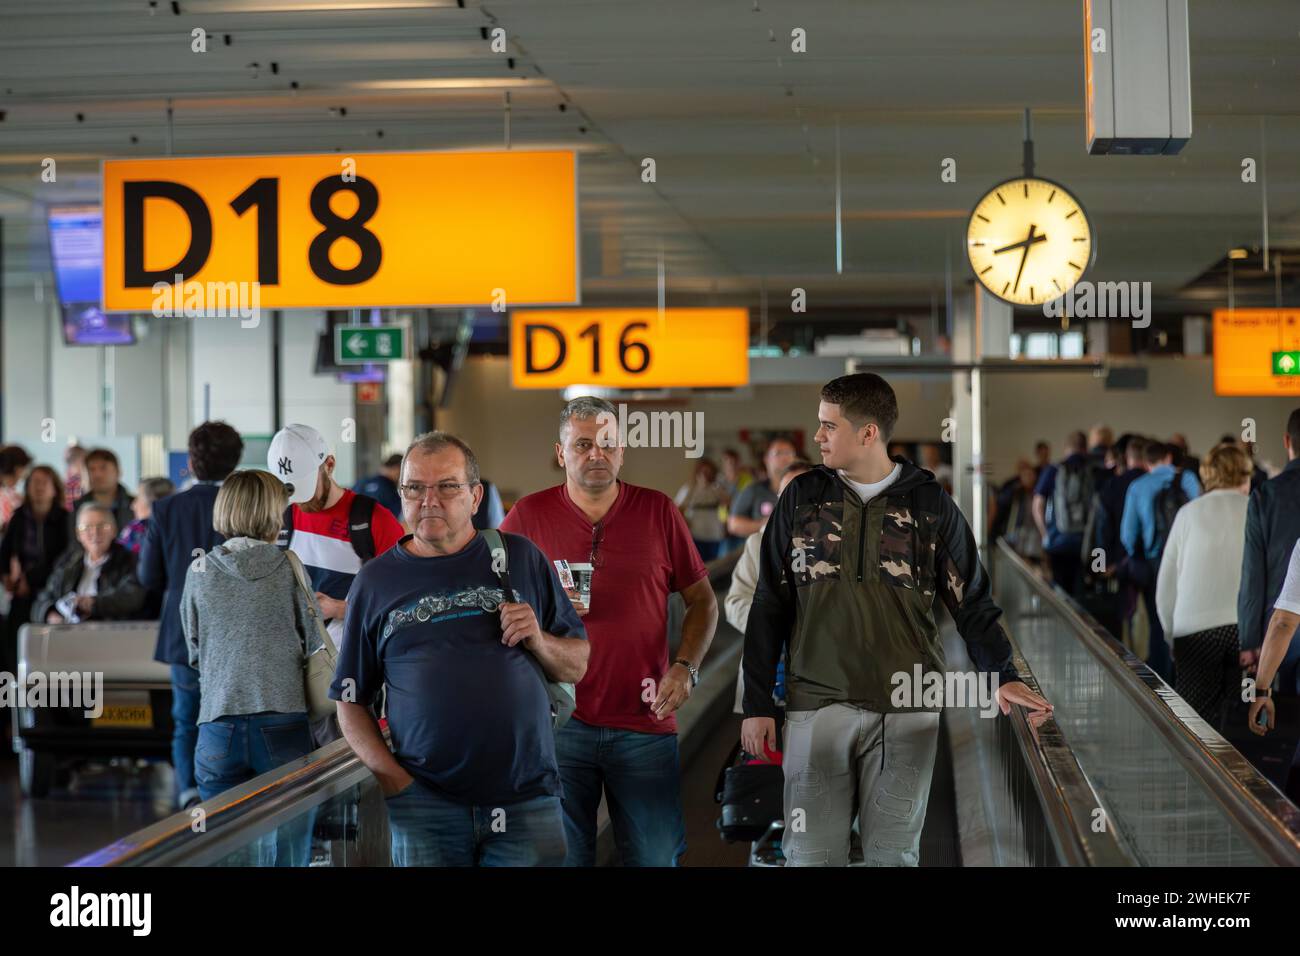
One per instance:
(447, 490)
(102, 526)
(597, 536)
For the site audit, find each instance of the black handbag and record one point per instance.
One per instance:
(751, 796)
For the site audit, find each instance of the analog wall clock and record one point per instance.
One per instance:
(1029, 240)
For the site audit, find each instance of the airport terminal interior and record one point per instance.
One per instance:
(701, 433)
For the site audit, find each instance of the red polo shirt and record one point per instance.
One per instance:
(644, 554)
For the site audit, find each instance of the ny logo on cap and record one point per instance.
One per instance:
(285, 466)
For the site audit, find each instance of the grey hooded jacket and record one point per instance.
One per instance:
(247, 622)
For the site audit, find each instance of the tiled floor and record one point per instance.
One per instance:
(99, 804)
(704, 845)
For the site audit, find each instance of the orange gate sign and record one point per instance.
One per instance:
(340, 231)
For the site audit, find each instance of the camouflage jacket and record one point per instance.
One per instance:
(851, 590)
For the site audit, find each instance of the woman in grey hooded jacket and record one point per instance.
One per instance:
(249, 628)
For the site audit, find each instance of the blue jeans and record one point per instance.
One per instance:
(428, 829)
(185, 730)
(641, 776)
(233, 750)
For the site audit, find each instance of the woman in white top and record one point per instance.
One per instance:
(1196, 590)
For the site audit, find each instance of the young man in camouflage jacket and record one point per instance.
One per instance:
(851, 560)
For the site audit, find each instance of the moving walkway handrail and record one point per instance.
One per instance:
(1262, 813)
(1065, 794)
(229, 818)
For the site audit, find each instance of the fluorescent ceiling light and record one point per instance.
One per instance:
(1238, 254)
(199, 7)
(452, 83)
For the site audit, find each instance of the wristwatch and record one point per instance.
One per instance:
(695, 671)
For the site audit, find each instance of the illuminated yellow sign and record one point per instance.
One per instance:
(1247, 346)
(629, 348)
(338, 231)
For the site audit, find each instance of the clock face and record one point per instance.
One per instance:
(1029, 241)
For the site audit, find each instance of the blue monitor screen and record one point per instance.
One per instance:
(85, 323)
(76, 248)
(370, 372)
(490, 327)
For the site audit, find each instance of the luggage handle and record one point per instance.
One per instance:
(719, 786)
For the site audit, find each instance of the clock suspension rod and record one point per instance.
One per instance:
(839, 204)
(1029, 145)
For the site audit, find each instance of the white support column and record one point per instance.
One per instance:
(963, 350)
(1098, 337)
(236, 363)
(1193, 335)
(993, 321)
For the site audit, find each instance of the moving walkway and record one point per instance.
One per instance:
(1123, 773)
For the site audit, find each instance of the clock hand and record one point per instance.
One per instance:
(1025, 255)
(1041, 237)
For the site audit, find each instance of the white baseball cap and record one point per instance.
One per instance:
(295, 457)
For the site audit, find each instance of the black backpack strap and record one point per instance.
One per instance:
(360, 516)
(286, 530)
(497, 544)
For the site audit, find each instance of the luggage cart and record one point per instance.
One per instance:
(135, 696)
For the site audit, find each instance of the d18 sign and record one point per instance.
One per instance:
(336, 231)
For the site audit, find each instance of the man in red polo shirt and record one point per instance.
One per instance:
(623, 735)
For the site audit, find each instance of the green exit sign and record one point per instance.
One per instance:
(356, 344)
(1286, 363)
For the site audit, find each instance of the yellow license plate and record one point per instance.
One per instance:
(124, 715)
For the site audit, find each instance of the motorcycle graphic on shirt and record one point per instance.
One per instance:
(433, 607)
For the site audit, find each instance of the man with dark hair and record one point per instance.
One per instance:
(1042, 455)
(750, 508)
(1149, 506)
(850, 564)
(382, 486)
(1272, 529)
(1183, 457)
(1100, 440)
(1110, 511)
(634, 548)
(1107, 593)
(180, 525)
(101, 475)
(1062, 499)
